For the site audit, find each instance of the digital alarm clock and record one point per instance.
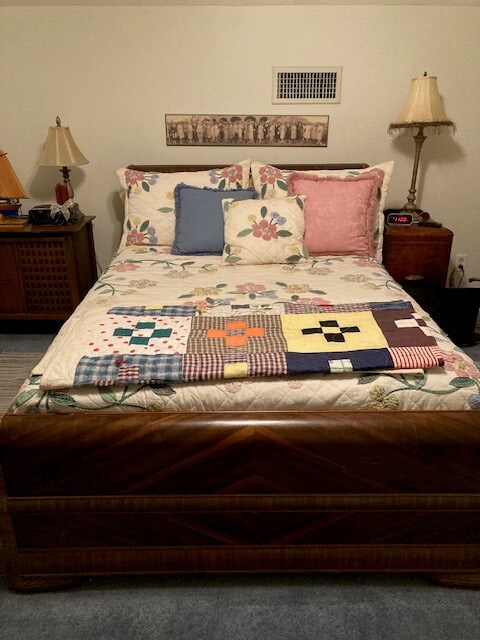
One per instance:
(402, 218)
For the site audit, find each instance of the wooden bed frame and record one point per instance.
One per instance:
(136, 493)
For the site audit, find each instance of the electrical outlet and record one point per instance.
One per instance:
(460, 262)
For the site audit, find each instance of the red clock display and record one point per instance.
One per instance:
(403, 219)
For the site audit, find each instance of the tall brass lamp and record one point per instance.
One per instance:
(423, 109)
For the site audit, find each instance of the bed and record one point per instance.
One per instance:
(371, 470)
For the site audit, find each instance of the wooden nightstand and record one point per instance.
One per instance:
(425, 252)
(417, 251)
(45, 270)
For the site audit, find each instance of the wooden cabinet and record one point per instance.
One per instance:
(45, 270)
(418, 258)
(418, 253)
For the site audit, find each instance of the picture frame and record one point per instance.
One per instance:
(246, 130)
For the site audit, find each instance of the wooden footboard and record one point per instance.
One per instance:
(98, 494)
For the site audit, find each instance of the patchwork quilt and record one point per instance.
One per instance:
(165, 343)
(189, 333)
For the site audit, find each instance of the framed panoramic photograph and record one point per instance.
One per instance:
(246, 130)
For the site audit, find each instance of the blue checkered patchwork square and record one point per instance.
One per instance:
(164, 310)
(174, 310)
(127, 311)
(128, 369)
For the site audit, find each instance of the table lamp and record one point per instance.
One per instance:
(11, 191)
(423, 109)
(61, 151)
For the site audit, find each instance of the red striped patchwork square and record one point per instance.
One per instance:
(416, 357)
(202, 366)
(266, 364)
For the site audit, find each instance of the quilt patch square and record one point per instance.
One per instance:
(154, 310)
(340, 366)
(310, 333)
(409, 322)
(125, 333)
(291, 307)
(235, 370)
(267, 364)
(235, 354)
(401, 329)
(254, 333)
(366, 360)
(202, 366)
(162, 334)
(128, 369)
(138, 340)
(176, 310)
(145, 325)
(415, 357)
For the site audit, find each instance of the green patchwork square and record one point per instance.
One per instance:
(136, 340)
(162, 333)
(123, 332)
(145, 325)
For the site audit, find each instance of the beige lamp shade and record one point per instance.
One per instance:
(60, 149)
(423, 107)
(10, 187)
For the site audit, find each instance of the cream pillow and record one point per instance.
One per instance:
(264, 231)
(150, 204)
(271, 182)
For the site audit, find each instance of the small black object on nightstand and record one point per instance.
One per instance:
(430, 223)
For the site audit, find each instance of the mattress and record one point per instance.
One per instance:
(149, 276)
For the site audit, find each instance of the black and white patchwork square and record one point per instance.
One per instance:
(331, 330)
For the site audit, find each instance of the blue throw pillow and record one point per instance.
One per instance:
(199, 218)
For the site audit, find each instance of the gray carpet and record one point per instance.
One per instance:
(15, 367)
(296, 607)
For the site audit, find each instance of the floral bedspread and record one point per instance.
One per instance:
(141, 276)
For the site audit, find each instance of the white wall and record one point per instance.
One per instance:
(111, 73)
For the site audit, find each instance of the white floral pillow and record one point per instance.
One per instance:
(271, 182)
(150, 204)
(264, 231)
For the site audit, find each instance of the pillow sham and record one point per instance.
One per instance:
(149, 199)
(264, 231)
(339, 212)
(271, 182)
(199, 218)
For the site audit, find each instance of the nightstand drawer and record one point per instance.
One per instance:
(418, 251)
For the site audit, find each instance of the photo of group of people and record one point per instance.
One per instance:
(246, 130)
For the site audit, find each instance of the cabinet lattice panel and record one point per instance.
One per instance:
(45, 275)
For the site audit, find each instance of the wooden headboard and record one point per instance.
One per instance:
(172, 168)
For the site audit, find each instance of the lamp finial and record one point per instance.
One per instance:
(425, 74)
(58, 121)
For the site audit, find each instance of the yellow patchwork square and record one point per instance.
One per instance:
(235, 370)
(320, 332)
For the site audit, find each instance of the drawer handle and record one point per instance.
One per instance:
(414, 278)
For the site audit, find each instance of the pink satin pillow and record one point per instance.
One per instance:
(339, 212)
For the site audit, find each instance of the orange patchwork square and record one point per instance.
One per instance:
(236, 341)
(257, 332)
(232, 326)
(234, 336)
(216, 333)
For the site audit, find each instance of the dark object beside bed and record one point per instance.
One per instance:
(91, 494)
(454, 310)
